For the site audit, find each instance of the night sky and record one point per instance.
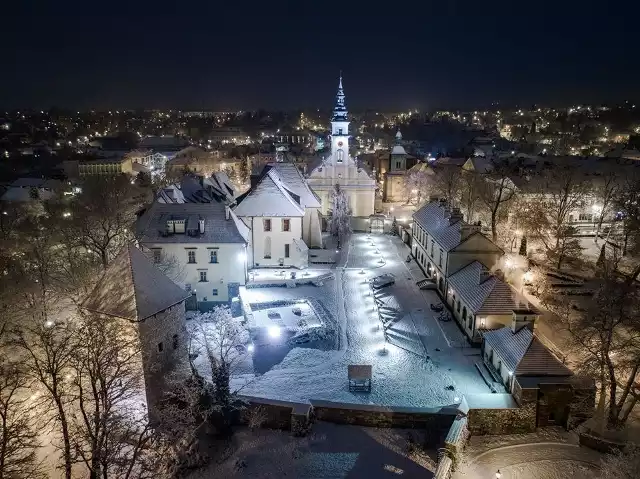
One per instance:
(216, 54)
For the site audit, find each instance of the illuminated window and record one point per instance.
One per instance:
(191, 256)
(286, 225)
(267, 225)
(213, 256)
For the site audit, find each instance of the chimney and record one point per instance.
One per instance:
(467, 230)
(433, 198)
(456, 216)
(227, 213)
(201, 226)
(499, 274)
(523, 318)
(485, 274)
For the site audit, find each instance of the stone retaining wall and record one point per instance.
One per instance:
(502, 421)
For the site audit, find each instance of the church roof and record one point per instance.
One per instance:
(398, 150)
(133, 288)
(293, 179)
(270, 197)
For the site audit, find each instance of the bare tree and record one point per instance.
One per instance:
(47, 354)
(416, 183)
(469, 196)
(495, 193)
(606, 330)
(18, 436)
(110, 431)
(448, 183)
(605, 192)
(556, 195)
(340, 221)
(104, 213)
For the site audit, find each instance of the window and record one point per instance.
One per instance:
(440, 259)
(160, 347)
(213, 256)
(398, 164)
(585, 217)
(340, 156)
(339, 131)
(267, 247)
(432, 245)
(458, 306)
(214, 292)
(267, 225)
(157, 255)
(175, 341)
(286, 225)
(191, 256)
(286, 250)
(203, 276)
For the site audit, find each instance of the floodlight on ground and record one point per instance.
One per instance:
(251, 348)
(274, 331)
(48, 324)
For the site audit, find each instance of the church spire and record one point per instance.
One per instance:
(340, 110)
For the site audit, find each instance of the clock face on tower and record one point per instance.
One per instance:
(339, 143)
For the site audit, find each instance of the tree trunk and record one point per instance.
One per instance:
(628, 411)
(104, 258)
(628, 386)
(613, 389)
(602, 402)
(66, 438)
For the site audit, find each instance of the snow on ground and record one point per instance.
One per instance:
(267, 275)
(285, 317)
(548, 454)
(331, 451)
(421, 364)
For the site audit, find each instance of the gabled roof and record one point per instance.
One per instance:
(398, 150)
(152, 225)
(133, 288)
(523, 354)
(432, 218)
(486, 294)
(270, 197)
(293, 179)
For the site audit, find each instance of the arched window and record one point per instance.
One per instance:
(340, 156)
(459, 303)
(267, 247)
(464, 315)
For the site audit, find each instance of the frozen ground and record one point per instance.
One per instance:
(549, 454)
(422, 364)
(330, 451)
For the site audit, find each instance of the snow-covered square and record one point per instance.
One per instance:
(421, 363)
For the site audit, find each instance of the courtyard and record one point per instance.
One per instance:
(419, 362)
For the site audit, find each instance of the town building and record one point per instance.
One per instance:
(394, 178)
(546, 391)
(136, 293)
(443, 243)
(340, 167)
(24, 190)
(481, 301)
(201, 246)
(280, 211)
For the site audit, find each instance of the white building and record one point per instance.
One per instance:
(202, 247)
(25, 190)
(443, 243)
(341, 168)
(274, 212)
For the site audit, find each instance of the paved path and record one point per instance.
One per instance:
(544, 460)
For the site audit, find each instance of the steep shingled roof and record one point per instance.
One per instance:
(270, 197)
(432, 218)
(486, 295)
(524, 354)
(133, 288)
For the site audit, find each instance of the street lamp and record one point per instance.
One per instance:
(498, 474)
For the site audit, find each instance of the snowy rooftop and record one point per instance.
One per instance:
(133, 288)
(293, 179)
(152, 225)
(432, 217)
(524, 354)
(486, 295)
(398, 150)
(270, 197)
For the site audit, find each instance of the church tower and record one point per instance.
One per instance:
(340, 131)
(340, 168)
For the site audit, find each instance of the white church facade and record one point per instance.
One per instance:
(341, 168)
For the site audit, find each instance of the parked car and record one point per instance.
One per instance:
(383, 280)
